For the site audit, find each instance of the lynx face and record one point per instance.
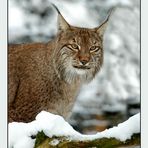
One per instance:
(79, 51)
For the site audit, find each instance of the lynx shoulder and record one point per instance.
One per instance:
(47, 76)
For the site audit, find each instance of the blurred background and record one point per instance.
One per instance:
(114, 95)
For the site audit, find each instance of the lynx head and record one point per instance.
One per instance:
(78, 51)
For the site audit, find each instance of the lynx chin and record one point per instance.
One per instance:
(47, 76)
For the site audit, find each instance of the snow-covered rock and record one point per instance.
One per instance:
(54, 125)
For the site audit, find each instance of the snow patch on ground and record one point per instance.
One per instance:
(20, 133)
(54, 142)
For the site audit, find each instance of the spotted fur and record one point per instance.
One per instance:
(47, 76)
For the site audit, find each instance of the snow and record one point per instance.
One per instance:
(54, 125)
(16, 17)
(54, 142)
(20, 133)
(124, 130)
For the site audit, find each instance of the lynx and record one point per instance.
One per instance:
(48, 76)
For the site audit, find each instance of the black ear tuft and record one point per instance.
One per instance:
(101, 29)
(62, 23)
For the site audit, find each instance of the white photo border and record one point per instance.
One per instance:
(3, 73)
(144, 74)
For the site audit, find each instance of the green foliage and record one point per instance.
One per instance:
(40, 137)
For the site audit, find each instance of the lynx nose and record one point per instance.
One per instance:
(84, 59)
(84, 62)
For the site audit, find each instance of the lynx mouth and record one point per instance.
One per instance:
(81, 67)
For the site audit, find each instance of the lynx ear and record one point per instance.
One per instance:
(62, 23)
(101, 29)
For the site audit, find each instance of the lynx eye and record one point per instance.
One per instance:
(94, 48)
(74, 46)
